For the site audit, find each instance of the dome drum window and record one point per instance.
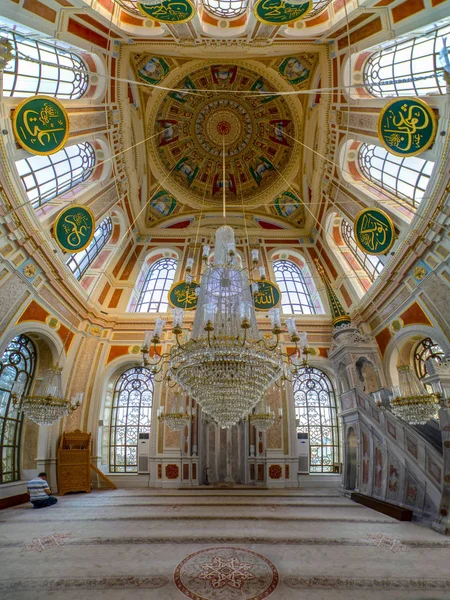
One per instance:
(46, 177)
(371, 264)
(295, 295)
(80, 262)
(154, 293)
(43, 68)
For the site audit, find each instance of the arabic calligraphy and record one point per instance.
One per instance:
(74, 228)
(183, 295)
(374, 231)
(280, 11)
(168, 11)
(406, 126)
(267, 296)
(41, 125)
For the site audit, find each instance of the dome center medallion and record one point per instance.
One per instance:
(223, 127)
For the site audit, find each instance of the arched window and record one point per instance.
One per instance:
(45, 177)
(425, 349)
(295, 295)
(131, 415)
(42, 68)
(156, 286)
(130, 5)
(405, 178)
(317, 7)
(315, 414)
(81, 261)
(371, 264)
(17, 363)
(410, 68)
(227, 9)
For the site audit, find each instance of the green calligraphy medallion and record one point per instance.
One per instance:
(279, 12)
(267, 296)
(41, 125)
(183, 295)
(168, 11)
(74, 228)
(374, 231)
(407, 126)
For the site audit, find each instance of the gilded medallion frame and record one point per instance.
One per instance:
(424, 105)
(391, 224)
(17, 137)
(61, 214)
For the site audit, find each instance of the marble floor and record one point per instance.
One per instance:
(311, 544)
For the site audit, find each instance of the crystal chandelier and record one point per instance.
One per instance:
(179, 417)
(47, 404)
(225, 365)
(264, 417)
(412, 402)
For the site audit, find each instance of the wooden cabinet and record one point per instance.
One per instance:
(74, 462)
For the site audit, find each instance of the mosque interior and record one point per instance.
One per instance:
(224, 298)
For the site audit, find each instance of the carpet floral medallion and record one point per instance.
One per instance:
(226, 573)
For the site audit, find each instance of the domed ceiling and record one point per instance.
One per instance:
(231, 107)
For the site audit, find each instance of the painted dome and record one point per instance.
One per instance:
(255, 127)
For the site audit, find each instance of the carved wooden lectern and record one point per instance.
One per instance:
(74, 462)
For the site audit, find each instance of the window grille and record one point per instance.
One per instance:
(425, 349)
(295, 295)
(52, 70)
(371, 264)
(317, 7)
(131, 415)
(45, 177)
(410, 68)
(79, 262)
(226, 9)
(155, 289)
(17, 363)
(406, 178)
(315, 414)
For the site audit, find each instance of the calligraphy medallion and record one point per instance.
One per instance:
(267, 296)
(407, 126)
(168, 11)
(226, 572)
(374, 231)
(183, 295)
(279, 12)
(74, 228)
(41, 125)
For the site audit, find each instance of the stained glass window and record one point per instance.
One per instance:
(405, 178)
(79, 263)
(315, 414)
(45, 177)
(156, 286)
(226, 8)
(295, 295)
(42, 68)
(371, 264)
(426, 349)
(131, 415)
(17, 363)
(409, 68)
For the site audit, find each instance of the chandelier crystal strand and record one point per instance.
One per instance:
(411, 401)
(47, 404)
(225, 366)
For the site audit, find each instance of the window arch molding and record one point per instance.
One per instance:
(310, 276)
(148, 263)
(344, 257)
(401, 347)
(131, 407)
(399, 206)
(17, 363)
(315, 410)
(225, 9)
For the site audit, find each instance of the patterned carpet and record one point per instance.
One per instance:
(231, 545)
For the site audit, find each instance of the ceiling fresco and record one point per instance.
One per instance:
(196, 124)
